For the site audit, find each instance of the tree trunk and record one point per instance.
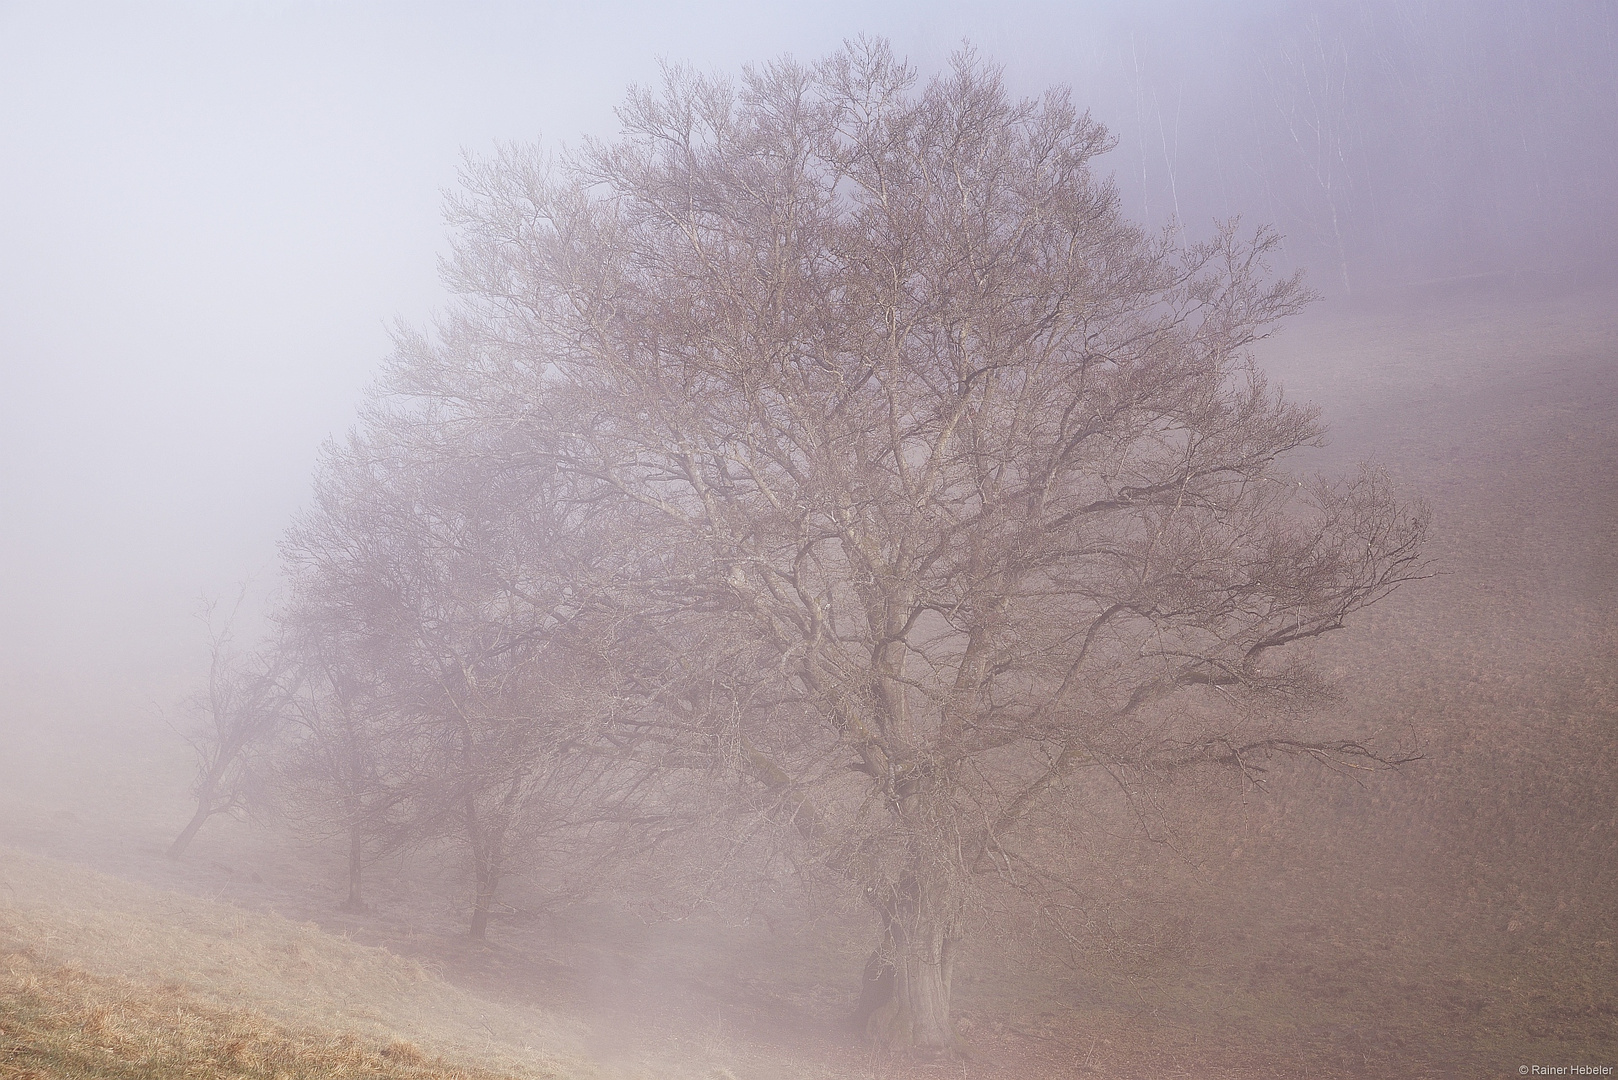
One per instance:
(905, 996)
(876, 988)
(916, 1014)
(485, 868)
(205, 810)
(356, 856)
(487, 879)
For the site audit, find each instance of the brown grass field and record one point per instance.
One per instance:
(1456, 919)
(61, 1021)
(100, 969)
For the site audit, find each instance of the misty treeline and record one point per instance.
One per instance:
(824, 480)
(1389, 141)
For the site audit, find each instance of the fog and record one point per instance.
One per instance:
(212, 214)
(212, 217)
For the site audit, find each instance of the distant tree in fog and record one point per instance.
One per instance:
(434, 592)
(237, 713)
(345, 767)
(949, 495)
(1392, 141)
(1308, 87)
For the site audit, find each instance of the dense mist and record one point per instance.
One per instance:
(312, 417)
(214, 216)
(1391, 143)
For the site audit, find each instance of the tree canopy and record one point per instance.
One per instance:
(884, 478)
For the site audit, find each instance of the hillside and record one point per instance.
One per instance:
(104, 977)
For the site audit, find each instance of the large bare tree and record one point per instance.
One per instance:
(953, 488)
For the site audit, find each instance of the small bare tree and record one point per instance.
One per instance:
(952, 488)
(237, 712)
(436, 588)
(346, 768)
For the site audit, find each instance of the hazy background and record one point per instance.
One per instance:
(211, 213)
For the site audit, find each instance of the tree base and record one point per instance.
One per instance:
(916, 1023)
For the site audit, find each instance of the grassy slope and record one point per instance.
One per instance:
(60, 1021)
(100, 968)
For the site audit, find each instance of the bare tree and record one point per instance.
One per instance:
(953, 486)
(1309, 90)
(348, 767)
(237, 712)
(435, 587)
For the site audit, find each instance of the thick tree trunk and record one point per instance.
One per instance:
(905, 994)
(356, 858)
(876, 989)
(916, 1013)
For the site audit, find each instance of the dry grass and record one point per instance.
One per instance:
(60, 1021)
(83, 935)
